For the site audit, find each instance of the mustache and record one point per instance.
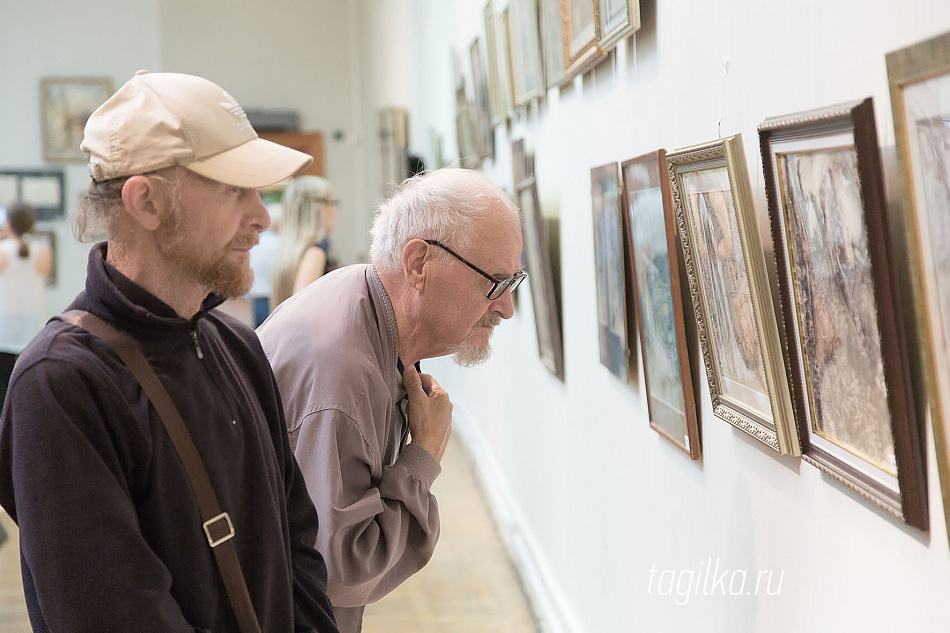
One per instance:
(489, 320)
(249, 241)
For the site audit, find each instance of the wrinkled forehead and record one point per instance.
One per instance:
(497, 239)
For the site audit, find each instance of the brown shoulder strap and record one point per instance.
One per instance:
(217, 524)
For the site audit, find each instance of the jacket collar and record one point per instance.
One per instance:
(389, 360)
(113, 296)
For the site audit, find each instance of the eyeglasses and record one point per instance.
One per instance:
(499, 286)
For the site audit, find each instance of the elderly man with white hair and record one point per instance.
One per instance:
(446, 254)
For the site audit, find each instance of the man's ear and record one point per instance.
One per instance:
(414, 259)
(143, 201)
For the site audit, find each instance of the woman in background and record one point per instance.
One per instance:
(24, 268)
(306, 222)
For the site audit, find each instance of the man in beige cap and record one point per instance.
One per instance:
(111, 535)
(446, 254)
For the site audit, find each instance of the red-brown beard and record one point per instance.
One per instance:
(218, 272)
(468, 353)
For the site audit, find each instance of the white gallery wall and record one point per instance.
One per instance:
(590, 498)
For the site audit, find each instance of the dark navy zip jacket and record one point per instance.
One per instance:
(110, 535)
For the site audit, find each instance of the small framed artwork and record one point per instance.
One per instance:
(652, 241)
(67, 103)
(527, 74)
(45, 191)
(729, 287)
(552, 42)
(581, 32)
(499, 75)
(617, 19)
(541, 278)
(919, 78)
(612, 331)
(519, 161)
(848, 370)
(482, 101)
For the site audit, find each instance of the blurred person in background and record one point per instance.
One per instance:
(307, 220)
(24, 268)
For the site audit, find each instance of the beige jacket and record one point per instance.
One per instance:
(333, 347)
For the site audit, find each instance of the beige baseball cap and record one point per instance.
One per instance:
(157, 120)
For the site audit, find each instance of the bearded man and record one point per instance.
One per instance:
(446, 254)
(111, 534)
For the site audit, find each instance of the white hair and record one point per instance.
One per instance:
(441, 205)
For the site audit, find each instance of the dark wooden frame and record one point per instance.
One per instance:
(611, 34)
(22, 177)
(590, 53)
(655, 163)
(778, 430)
(543, 291)
(826, 129)
(623, 363)
(907, 68)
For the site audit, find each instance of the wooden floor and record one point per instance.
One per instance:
(468, 587)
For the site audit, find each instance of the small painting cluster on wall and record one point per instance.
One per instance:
(528, 47)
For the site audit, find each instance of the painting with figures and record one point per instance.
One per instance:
(731, 293)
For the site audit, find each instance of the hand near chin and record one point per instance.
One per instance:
(429, 413)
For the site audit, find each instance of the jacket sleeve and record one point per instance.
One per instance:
(374, 534)
(312, 610)
(67, 450)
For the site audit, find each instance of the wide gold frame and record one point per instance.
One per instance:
(780, 432)
(590, 53)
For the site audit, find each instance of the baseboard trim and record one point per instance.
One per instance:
(546, 601)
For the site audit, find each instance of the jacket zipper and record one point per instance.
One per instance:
(194, 338)
(212, 379)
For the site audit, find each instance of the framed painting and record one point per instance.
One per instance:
(729, 287)
(919, 78)
(499, 74)
(655, 253)
(617, 19)
(45, 191)
(552, 42)
(482, 102)
(527, 74)
(67, 103)
(847, 365)
(609, 269)
(581, 31)
(539, 265)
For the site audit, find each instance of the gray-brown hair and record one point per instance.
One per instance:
(101, 208)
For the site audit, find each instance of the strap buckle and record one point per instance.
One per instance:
(217, 524)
